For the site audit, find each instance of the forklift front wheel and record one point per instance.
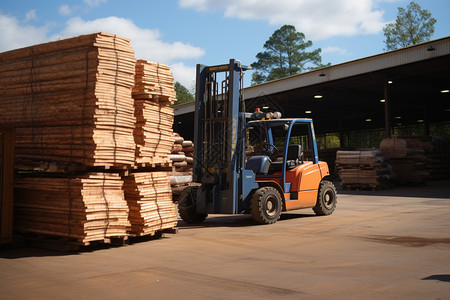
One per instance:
(187, 208)
(266, 205)
(326, 199)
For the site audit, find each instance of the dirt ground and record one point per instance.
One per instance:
(392, 244)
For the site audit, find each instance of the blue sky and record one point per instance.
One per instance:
(186, 32)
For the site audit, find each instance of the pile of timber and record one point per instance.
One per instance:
(149, 198)
(88, 208)
(153, 134)
(182, 162)
(407, 158)
(80, 105)
(154, 81)
(363, 169)
(70, 101)
(437, 151)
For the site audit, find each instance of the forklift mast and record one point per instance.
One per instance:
(218, 137)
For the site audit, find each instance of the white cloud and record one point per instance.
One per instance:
(334, 49)
(94, 3)
(65, 10)
(31, 15)
(184, 74)
(318, 19)
(146, 42)
(16, 35)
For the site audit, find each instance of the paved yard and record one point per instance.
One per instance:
(392, 244)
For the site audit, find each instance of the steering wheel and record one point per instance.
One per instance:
(269, 149)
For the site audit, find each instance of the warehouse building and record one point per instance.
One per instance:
(358, 103)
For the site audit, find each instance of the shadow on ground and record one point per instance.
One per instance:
(432, 189)
(237, 220)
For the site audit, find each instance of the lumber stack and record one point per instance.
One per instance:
(437, 151)
(153, 133)
(86, 208)
(149, 198)
(71, 101)
(407, 158)
(154, 81)
(153, 92)
(363, 169)
(182, 157)
(82, 105)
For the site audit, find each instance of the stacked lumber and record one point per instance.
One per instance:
(84, 104)
(407, 158)
(363, 169)
(153, 92)
(153, 134)
(154, 81)
(437, 151)
(86, 208)
(182, 157)
(71, 100)
(149, 198)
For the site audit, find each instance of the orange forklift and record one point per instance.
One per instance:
(257, 163)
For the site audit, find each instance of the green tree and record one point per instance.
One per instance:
(413, 25)
(183, 94)
(285, 55)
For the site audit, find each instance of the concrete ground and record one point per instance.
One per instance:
(392, 244)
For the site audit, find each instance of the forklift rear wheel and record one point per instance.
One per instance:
(326, 199)
(187, 208)
(266, 205)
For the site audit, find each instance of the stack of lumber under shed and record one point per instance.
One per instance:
(437, 151)
(407, 158)
(149, 198)
(71, 100)
(153, 134)
(363, 169)
(87, 208)
(182, 157)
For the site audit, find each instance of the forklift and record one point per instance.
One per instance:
(255, 163)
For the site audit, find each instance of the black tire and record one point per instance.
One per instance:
(186, 206)
(326, 199)
(266, 205)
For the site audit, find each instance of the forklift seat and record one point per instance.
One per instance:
(259, 164)
(294, 158)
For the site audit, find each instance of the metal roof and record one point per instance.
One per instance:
(395, 58)
(411, 78)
